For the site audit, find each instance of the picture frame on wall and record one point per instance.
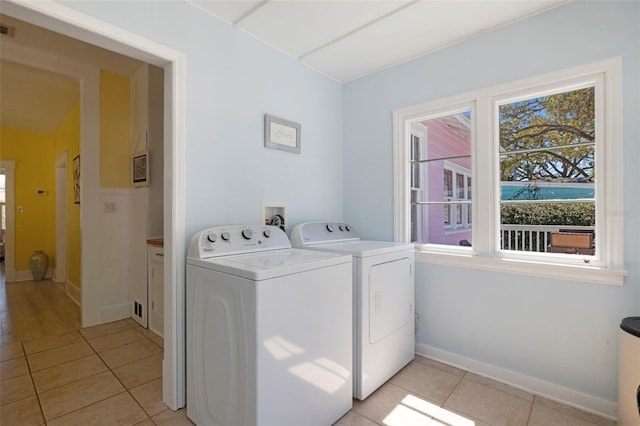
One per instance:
(76, 180)
(281, 134)
(140, 169)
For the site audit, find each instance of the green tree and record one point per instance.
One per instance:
(559, 127)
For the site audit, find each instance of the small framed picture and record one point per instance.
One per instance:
(281, 134)
(140, 168)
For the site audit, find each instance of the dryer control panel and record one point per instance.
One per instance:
(237, 239)
(322, 232)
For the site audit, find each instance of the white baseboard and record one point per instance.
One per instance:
(25, 275)
(115, 312)
(10, 275)
(74, 293)
(589, 403)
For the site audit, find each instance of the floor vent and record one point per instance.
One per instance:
(137, 309)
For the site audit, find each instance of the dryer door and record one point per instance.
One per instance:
(390, 295)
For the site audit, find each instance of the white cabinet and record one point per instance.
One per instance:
(156, 288)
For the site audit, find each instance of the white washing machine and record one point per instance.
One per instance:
(383, 282)
(269, 330)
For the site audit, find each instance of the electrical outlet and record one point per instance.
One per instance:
(110, 207)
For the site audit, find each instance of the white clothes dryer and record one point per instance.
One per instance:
(383, 283)
(269, 330)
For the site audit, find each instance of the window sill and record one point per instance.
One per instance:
(589, 274)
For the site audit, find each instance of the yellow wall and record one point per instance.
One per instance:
(35, 154)
(35, 226)
(115, 131)
(67, 138)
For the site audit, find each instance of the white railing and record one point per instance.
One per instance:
(533, 237)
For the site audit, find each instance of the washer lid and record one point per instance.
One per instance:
(272, 264)
(631, 325)
(362, 248)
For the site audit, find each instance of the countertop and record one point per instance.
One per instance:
(158, 242)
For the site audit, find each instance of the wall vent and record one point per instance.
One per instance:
(137, 309)
(7, 30)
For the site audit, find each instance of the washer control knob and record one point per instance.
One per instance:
(212, 237)
(329, 227)
(247, 233)
(225, 236)
(341, 227)
(347, 227)
(267, 233)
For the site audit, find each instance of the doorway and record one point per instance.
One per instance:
(8, 234)
(58, 18)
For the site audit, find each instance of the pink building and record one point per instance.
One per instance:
(441, 176)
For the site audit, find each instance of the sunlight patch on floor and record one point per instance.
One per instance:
(416, 411)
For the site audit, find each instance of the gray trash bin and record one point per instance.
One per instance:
(629, 373)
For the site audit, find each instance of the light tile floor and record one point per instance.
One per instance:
(53, 372)
(426, 392)
(111, 374)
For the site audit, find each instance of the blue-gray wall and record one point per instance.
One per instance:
(558, 331)
(232, 80)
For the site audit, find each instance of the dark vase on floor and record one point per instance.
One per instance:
(39, 262)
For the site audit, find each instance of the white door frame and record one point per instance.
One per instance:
(60, 275)
(9, 167)
(67, 21)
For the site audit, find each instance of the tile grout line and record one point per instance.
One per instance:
(86, 340)
(118, 379)
(533, 402)
(35, 390)
(110, 371)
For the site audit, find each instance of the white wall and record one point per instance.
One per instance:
(232, 80)
(562, 333)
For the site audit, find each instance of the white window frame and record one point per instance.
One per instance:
(607, 266)
(421, 132)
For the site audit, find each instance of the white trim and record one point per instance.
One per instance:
(486, 252)
(586, 274)
(73, 292)
(589, 403)
(72, 23)
(123, 192)
(115, 312)
(9, 167)
(26, 275)
(61, 226)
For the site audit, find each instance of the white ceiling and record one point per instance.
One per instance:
(343, 39)
(347, 39)
(36, 100)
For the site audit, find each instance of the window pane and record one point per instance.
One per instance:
(460, 186)
(415, 167)
(532, 227)
(547, 173)
(448, 183)
(541, 122)
(439, 206)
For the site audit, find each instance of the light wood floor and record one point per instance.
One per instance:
(33, 309)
